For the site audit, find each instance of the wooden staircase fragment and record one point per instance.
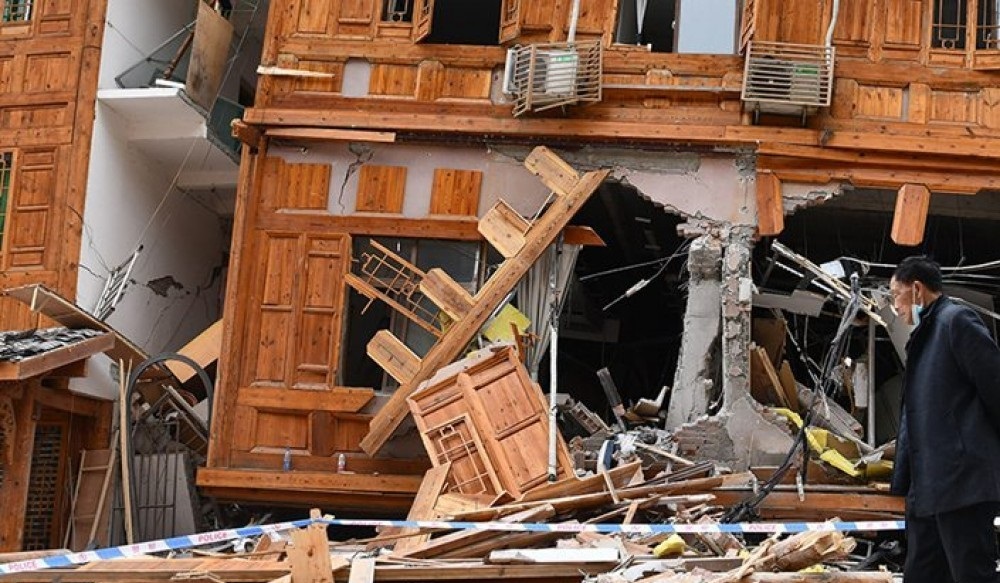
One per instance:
(570, 191)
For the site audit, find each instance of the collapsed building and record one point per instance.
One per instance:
(710, 176)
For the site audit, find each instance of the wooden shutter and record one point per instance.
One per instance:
(749, 25)
(510, 20)
(381, 189)
(455, 192)
(423, 17)
(903, 23)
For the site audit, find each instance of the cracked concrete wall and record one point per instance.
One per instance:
(175, 290)
(694, 382)
(504, 175)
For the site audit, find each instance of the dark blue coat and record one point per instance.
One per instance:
(948, 450)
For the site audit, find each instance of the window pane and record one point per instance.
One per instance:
(948, 29)
(6, 163)
(988, 25)
(16, 11)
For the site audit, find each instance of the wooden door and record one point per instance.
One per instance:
(291, 344)
(423, 17)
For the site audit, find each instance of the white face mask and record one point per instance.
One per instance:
(915, 310)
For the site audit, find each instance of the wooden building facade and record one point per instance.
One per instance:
(49, 57)
(388, 120)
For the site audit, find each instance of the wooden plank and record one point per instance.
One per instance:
(534, 556)
(209, 54)
(446, 293)
(381, 189)
(789, 386)
(544, 231)
(362, 570)
(309, 555)
(330, 134)
(393, 356)
(203, 349)
(454, 541)
(504, 228)
(456, 192)
(431, 488)
(908, 222)
(764, 382)
(770, 210)
(53, 359)
(574, 486)
(335, 399)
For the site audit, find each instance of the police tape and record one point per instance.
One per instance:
(220, 536)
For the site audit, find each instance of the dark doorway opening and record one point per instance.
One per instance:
(460, 22)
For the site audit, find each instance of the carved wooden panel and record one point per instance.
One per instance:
(455, 192)
(396, 80)
(313, 17)
(295, 186)
(989, 113)
(354, 18)
(879, 102)
(510, 20)
(954, 106)
(48, 73)
(6, 75)
(33, 116)
(423, 19)
(903, 23)
(465, 83)
(55, 17)
(854, 22)
(381, 189)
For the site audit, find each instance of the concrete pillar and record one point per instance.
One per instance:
(736, 303)
(695, 380)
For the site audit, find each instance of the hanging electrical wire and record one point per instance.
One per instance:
(637, 286)
(746, 509)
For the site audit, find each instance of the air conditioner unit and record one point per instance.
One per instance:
(552, 75)
(788, 78)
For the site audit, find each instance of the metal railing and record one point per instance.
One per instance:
(543, 76)
(785, 74)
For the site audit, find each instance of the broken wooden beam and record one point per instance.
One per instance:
(770, 209)
(910, 217)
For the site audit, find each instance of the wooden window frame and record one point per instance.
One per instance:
(6, 187)
(16, 11)
(979, 48)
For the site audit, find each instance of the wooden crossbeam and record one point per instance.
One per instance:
(203, 349)
(393, 356)
(910, 218)
(542, 233)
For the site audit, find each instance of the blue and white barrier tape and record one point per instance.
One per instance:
(206, 538)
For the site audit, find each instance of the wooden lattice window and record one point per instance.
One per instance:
(16, 11)
(397, 11)
(6, 171)
(44, 493)
(949, 24)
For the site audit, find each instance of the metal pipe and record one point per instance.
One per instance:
(833, 23)
(554, 358)
(871, 382)
(574, 17)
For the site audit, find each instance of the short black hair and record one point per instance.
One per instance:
(919, 268)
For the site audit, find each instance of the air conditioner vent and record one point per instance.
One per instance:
(787, 78)
(544, 76)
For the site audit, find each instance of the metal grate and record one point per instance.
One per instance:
(787, 78)
(948, 27)
(16, 11)
(397, 11)
(543, 76)
(114, 287)
(43, 488)
(988, 25)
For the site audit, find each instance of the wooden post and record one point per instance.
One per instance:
(770, 210)
(14, 491)
(912, 203)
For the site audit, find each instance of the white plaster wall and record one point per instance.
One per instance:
(504, 176)
(130, 202)
(134, 28)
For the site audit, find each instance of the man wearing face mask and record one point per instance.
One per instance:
(948, 449)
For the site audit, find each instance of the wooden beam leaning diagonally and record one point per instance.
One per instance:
(541, 235)
(908, 222)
